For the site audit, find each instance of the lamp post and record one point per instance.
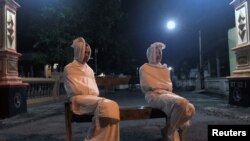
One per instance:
(170, 26)
(96, 51)
(201, 75)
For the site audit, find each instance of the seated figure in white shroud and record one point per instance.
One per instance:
(156, 84)
(81, 87)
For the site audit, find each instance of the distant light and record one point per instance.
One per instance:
(170, 25)
(170, 68)
(55, 66)
(101, 75)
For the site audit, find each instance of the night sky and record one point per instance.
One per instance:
(146, 24)
(212, 17)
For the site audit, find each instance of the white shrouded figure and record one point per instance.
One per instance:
(156, 84)
(81, 87)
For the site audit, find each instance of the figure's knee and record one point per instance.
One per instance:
(190, 110)
(110, 104)
(187, 107)
(109, 109)
(182, 102)
(108, 112)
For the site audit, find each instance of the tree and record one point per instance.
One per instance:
(57, 22)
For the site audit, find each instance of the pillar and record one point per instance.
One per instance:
(239, 80)
(12, 96)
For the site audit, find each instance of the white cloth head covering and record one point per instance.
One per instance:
(151, 51)
(79, 45)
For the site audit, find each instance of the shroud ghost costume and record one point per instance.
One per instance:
(81, 87)
(155, 82)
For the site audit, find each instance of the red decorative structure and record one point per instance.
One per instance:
(12, 95)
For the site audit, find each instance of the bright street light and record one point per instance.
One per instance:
(170, 25)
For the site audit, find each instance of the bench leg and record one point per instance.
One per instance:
(68, 123)
(182, 134)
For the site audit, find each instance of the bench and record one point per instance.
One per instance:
(126, 113)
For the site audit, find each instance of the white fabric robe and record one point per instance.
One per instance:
(81, 87)
(155, 82)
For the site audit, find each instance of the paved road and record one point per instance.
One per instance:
(46, 122)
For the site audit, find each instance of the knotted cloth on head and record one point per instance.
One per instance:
(79, 45)
(151, 51)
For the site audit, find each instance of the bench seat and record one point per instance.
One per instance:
(126, 113)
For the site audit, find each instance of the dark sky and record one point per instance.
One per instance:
(147, 19)
(146, 24)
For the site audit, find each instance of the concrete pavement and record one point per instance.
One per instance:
(46, 122)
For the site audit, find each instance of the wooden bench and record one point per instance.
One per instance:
(126, 113)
